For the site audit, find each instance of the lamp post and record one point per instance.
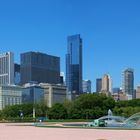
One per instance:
(34, 106)
(33, 112)
(21, 114)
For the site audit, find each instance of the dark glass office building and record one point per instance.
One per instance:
(98, 85)
(39, 68)
(128, 81)
(74, 65)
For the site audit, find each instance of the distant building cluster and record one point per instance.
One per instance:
(125, 92)
(38, 77)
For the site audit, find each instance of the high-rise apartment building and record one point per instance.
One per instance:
(39, 68)
(74, 65)
(107, 84)
(98, 85)
(128, 81)
(86, 86)
(7, 68)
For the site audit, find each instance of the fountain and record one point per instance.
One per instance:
(110, 121)
(107, 121)
(133, 121)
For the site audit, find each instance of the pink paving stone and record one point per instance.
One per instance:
(12, 132)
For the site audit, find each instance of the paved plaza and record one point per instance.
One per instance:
(19, 132)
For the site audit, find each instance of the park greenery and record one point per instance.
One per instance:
(86, 106)
(127, 108)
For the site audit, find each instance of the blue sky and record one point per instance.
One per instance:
(110, 30)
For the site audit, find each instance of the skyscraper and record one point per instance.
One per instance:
(98, 85)
(40, 68)
(74, 65)
(86, 86)
(7, 68)
(138, 93)
(107, 84)
(128, 81)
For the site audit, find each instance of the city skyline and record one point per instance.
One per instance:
(109, 29)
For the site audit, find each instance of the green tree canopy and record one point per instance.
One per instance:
(89, 106)
(57, 111)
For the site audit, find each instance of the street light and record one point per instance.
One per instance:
(33, 111)
(34, 105)
(21, 114)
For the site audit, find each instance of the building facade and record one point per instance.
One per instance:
(32, 93)
(128, 82)
(116, 93)
(107, 85)
(98, 85)
(74, 65)
(138, 93)
(17, 74)
(7, 68)
(116, 90)
(86, 86)
(62, 78)
(39, 67)
(10, 95)
(54, 93)
(44, 93)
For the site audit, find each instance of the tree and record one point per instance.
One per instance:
(58, 111)
(90, 106)
(126, 111)
(41, 109)
(15, 110)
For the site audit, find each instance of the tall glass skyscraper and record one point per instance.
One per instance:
(128, 81)
(74, 65)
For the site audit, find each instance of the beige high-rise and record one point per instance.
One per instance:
(138, 93)
(107, 84)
